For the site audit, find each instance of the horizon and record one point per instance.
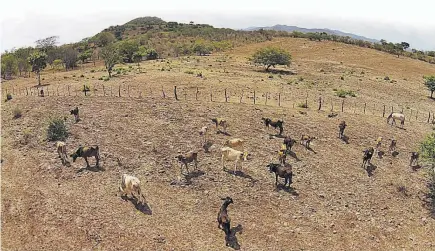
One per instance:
(32, 21)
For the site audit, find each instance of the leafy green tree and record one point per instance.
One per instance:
(110, 55)
(427, 149)
(201, 47)
(47, 43)
(84, 56)
(271, 56)
(70, 57)
(405, 45)
(38, 60)
(152, 54)
(22, 55)
(9, 65)
(57, 64)
(105, 38)
(429, 82)
(127, 48)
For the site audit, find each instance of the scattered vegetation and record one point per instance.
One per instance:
(57, 129)
(429, 82)
(17, 113)
(387, 78)
(8, 97)
(302, 105)
(27, 136)
(427, 149)
(189, 72)
(343, 93)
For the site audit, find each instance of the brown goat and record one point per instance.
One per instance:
(341, 128)
(188, 158)
(414, 158)
(86, 152)
(306, 140)
(223, 219)
(283, 171)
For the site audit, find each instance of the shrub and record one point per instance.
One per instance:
(303, 105)
(100, 78)
(386, 78)
(8, 97)
(17, 113)
(56, 129)
(92, 70)
(270, 76)
(343, 93)
(431, 193)
(106, 78)
(342, 78)
(189, 72)
(27, 135)
(300, 79)
(74, 75)
(82, 76)
(65, 77)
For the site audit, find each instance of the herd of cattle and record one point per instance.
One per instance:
(232, 150)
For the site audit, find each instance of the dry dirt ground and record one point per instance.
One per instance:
(333, 204)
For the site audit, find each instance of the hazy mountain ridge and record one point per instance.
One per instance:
(288, 28)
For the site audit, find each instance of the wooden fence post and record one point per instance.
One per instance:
(320, 103)
(342, 105)
(163, 92)
(128, 90)
(416, 116)
(196, 94)
(265, 102)
(365, 104)
(332, 105)
(57, 90)
(402, 109)
(383, 113)
(27, 92)
(69, 94)
(241, 97)
(392, 109)
(306, 101)
(226, 98)
(211, 95)
(48, 94)
(279, 99)
(254, 97)
(175, 93)
(374, 108)
(119, 90)
(111, 92)
(104, 91)
(428, 118)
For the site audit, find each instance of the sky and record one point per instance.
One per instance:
(24, 22)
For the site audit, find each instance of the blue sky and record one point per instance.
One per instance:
(23, 22)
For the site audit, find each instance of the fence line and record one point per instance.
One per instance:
(244, 96)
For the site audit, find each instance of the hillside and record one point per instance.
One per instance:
(334, 203)
(288, 28)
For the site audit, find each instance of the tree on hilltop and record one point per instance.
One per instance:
(271, 56)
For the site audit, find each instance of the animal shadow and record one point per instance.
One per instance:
(381, 154)
(345, 139)
(142, 207)
(370, 169)
(416, 167)
(311, 149)
(191, 175)
(287, 189)
(241, 174)
(294, 156)
(92, 169)
(395, 153)
(224, 133)
(231, 240)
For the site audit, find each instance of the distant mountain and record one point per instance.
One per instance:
(287, 28)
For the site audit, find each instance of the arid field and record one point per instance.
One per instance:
(334, 204)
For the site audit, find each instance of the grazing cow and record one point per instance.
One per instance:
(86, 152)
(129, 186)
(368, 154)
(398, 116)
(276, 123)
(233, 143)
(341, 128)
(203, 133)
(414, 158)
(283, 171)
(223, 218)
(75, 112)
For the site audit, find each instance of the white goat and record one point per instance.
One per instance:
(130, 185)
(229, 154)
(233, 143)
(61, 150)
(203, 133)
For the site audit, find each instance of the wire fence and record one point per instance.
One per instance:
(226, 95)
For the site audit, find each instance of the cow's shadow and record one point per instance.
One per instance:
(231, 240)
(370, 169)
